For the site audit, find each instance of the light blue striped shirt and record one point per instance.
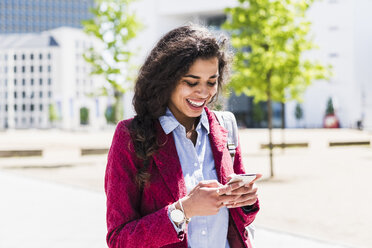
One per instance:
(197, 164)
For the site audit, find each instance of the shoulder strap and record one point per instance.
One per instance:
(228, 121)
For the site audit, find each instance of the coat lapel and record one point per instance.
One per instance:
(167, 161)
(218, 141)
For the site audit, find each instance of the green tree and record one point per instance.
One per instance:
(270, 38)
(330, 109)
(53, 115)
(115, 24)
(84, 116)
(299, 113)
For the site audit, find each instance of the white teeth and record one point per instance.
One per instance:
(196, 104)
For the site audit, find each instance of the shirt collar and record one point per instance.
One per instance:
(168, 122)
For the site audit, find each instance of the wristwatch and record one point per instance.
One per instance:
(177, 216)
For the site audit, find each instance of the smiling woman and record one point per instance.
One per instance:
(168, 167)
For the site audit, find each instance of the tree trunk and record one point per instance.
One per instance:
(118, 106)
(270, 124)
(283, 126)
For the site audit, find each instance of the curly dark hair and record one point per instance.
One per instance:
(168, 61)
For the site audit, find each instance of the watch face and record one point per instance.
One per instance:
(177, 216)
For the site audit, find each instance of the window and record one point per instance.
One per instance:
(15, 107)
(15, 82)
(15, 94)
(23, 81)
(15, 69)
(32, 81)
(40, 81)
(15, 56)
(41, 107)
(32, 107)
(23, 57)
(40, 94)
(32, 56)
(23, 94)
(40, 56)
(49, 81)
(6, 107)
(23, 69)
(49, 94)
(23, 107)
(49, 56)
(49, 68)
(32, 68)
(40, 68)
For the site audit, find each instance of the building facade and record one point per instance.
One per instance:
(45, 82)
(28, 16)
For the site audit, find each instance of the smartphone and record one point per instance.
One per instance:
(246, 178)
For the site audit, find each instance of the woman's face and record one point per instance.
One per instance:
(194, 90)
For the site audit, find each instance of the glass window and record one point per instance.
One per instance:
(15, 94)
(32, 81)
(23, 57)
(49, 56)
(23, 81)
(49, 81)
(15, 69)
(49, 94)
(32, 56)
(6, 107)
(32, 107)
(15, 82)
(23, 69)
(41, 81)
(40, 56)
(23, 107)
(32, 68)
(23, 94)
(49, 68)
(40, 94)
(40, 68)
(15, 107)
(41, 107)
(15, 56)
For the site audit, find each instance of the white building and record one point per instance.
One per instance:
(47, 69)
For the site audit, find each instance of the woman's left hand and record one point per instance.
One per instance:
(245, 195)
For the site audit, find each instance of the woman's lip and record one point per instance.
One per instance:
(196, 103)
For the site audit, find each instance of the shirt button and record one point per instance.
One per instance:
(195, 164)
(204, 232)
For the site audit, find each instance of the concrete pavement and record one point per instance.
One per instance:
(42, 214)
(318, 198)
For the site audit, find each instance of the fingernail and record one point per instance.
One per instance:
(228, 193)
(218, 191)
(241, 184)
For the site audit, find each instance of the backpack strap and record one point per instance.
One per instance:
(227, 120)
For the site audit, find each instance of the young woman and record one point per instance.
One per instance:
(168, 167)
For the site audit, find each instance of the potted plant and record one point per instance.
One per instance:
(330, 119)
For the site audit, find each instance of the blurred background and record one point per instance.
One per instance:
(300, 90)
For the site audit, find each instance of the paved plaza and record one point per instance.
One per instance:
(319, 197)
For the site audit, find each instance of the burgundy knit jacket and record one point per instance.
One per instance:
(138, 218)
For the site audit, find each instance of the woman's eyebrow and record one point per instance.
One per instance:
(197, 77)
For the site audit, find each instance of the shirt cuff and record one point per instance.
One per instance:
(250, 209)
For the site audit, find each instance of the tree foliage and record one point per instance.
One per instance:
(115, 24)
(270, 38)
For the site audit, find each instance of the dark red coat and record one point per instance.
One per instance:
(140, 219)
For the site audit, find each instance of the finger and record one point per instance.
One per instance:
(244, 199)
(241, 204)
(209, 184)
(227, 189)
(230, 176)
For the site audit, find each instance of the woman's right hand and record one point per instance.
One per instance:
(203, 199)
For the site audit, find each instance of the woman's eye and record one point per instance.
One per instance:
(191, 83)
(212, 83)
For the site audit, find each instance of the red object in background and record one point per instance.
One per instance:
(331, 121)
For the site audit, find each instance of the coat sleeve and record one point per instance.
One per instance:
(126, 226)
(249, 211)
